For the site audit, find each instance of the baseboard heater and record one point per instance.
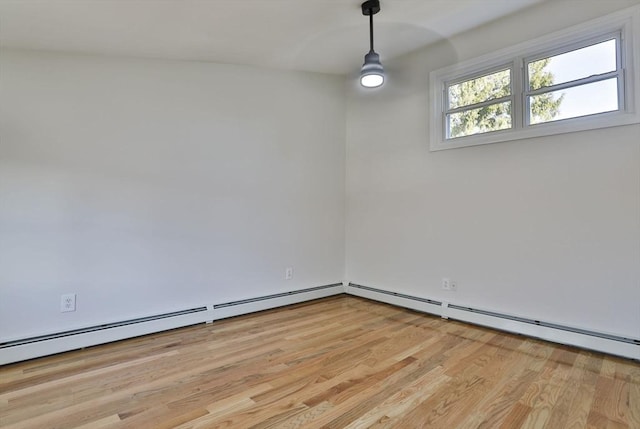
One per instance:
(250, 305)
(546, 324)
(98, 328)
(395, 298)
(44, 345)
(48, 344)
(584, 338)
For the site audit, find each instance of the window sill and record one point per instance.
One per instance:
(585, 123)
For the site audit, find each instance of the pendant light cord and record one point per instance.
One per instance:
(371, 29)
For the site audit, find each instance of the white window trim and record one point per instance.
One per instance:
(626, 21)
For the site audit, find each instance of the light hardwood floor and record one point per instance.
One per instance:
(339, 362)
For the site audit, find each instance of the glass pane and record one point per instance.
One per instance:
(589, 99)
(493, 117)
(591, 60)
(483, 88)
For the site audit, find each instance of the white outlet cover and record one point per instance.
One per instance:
(68, 302)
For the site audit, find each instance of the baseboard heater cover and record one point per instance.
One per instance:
(547, 324)
(98, 327)
(395, 298)
(44, 345)
(266, 302)
(275, 295)
(401, 295)
(593, 340)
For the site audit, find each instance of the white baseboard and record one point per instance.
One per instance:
(236, 308)
(583, 340)
(38, 347)
(30, 348)
(399, 300)
(602, 342)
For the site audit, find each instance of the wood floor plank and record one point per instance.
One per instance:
(516, 417)
(337, 362)
(572, 408)
(387, 413)
(546, 400)
(494, 411)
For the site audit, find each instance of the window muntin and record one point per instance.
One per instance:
(479, 104)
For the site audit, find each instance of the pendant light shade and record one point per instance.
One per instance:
(372, 73)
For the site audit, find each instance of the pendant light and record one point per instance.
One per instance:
(372, 73)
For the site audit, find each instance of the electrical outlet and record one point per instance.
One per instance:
(453, 286)
(288, 273)
(68, 302)
(446, 284)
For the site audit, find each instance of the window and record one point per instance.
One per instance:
(576, 80)
(580, 82)
(479, 105)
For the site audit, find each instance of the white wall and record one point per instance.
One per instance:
(546, 228)
(148, 186)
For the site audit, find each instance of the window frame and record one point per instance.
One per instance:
(624, 24)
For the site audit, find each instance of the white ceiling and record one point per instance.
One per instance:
(328, 36)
